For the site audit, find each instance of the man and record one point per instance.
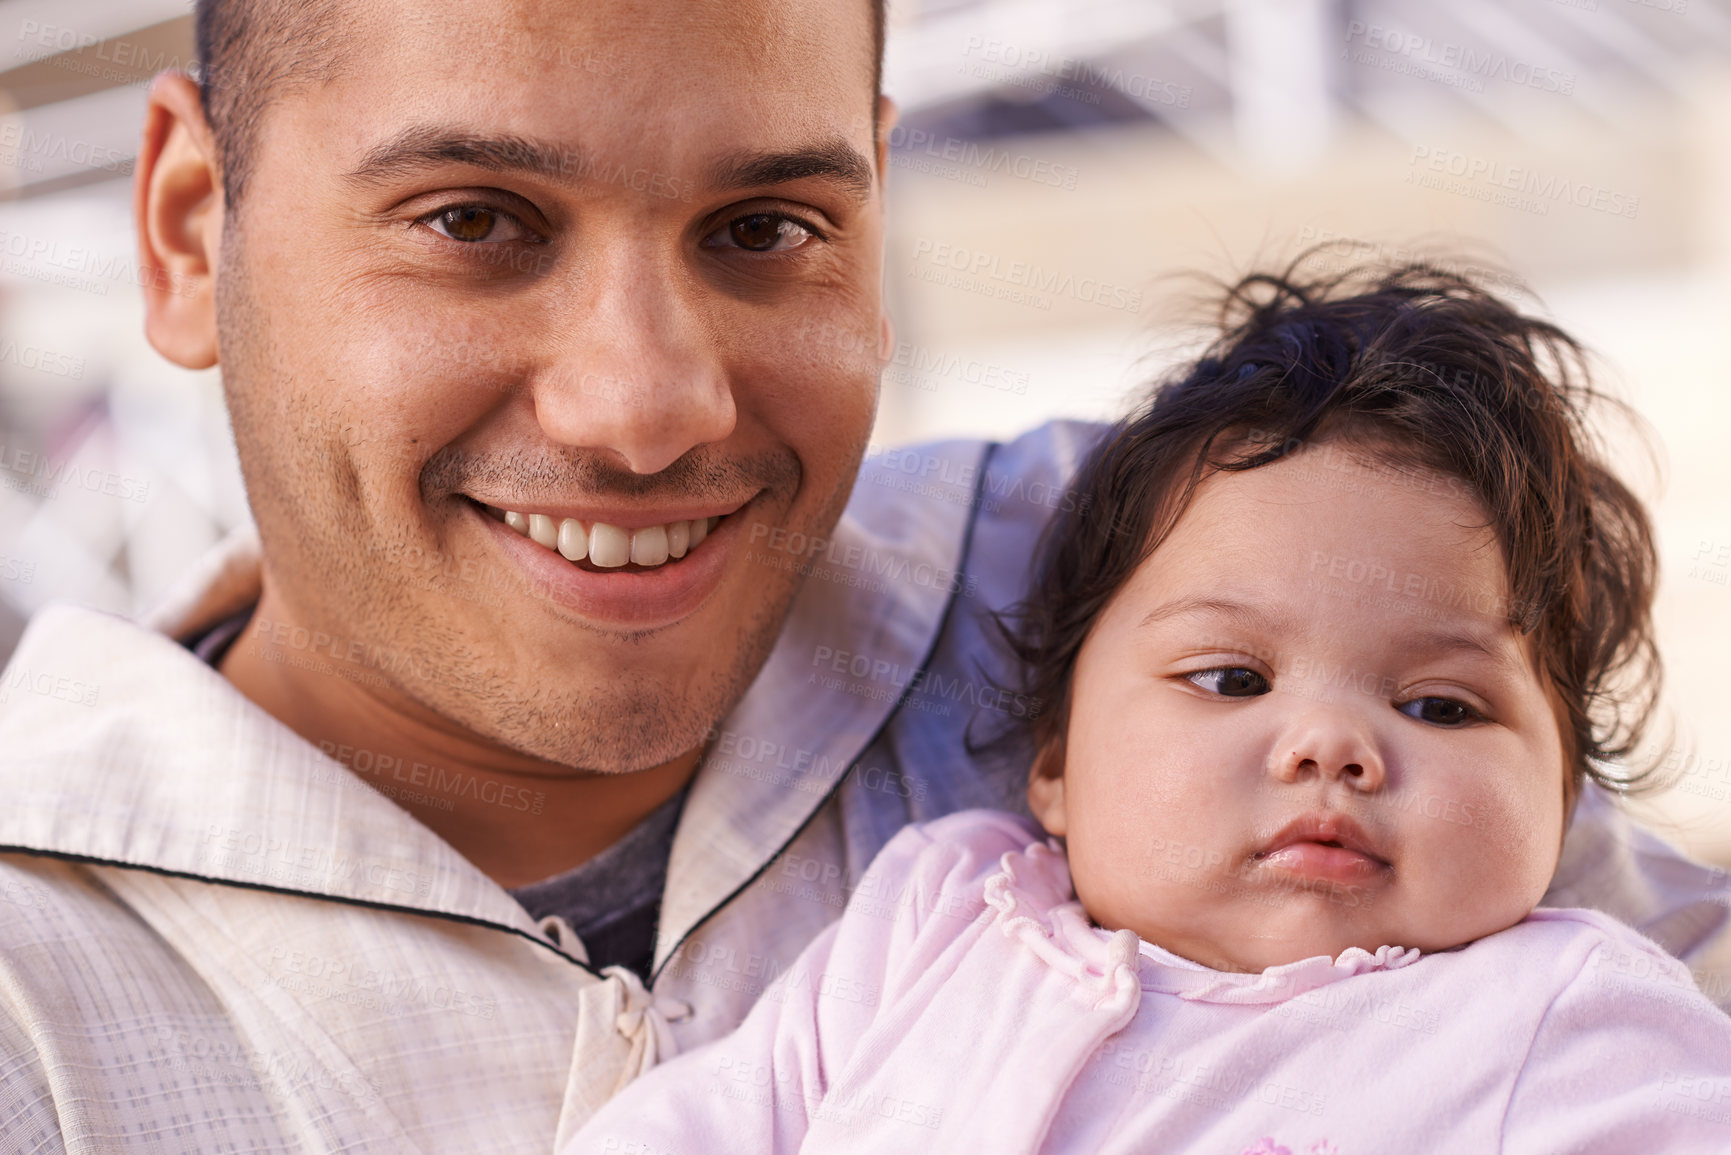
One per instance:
(553, 708)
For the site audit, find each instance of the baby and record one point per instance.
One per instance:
(1342, 621)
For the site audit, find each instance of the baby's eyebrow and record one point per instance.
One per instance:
(1244, 613)
(1494, 645)
(1443, 640)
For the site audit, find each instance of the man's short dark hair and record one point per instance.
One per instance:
(252, 52)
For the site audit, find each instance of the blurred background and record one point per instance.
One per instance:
(1059, 166)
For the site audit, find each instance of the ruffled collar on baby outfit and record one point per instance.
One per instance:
(1163, 971)
(1036, 904)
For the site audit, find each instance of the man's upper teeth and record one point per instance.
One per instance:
(609, 546)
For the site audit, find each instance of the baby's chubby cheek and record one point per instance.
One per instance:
(1475, 855)
(1143, 868)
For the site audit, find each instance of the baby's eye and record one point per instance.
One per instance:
(1230, 681)
(1439, 711)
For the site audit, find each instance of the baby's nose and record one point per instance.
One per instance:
(1331, 745)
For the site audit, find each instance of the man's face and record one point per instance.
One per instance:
(612, 264)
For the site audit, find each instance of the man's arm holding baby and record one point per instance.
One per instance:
(761, 1088)
(27, 1110)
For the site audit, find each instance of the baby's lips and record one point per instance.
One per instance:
(1319, 861)
(1325, 830)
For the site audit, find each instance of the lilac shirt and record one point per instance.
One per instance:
(964, 1003)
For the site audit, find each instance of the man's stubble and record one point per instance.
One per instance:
(326, 557)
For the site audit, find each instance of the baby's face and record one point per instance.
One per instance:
(1304, 725)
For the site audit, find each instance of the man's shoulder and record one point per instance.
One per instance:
(64, 930)
(1057, 445)
(1010, 489)
(1613, 865)
(942, 751)
(71, 663)
(41, 891)
(30, 900)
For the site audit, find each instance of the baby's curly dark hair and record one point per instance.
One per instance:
(1418, 367)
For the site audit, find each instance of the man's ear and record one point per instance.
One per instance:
(887, 114)
(1046, 787)
(886, 122)
(177, 204)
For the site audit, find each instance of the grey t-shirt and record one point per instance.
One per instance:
(612, 902)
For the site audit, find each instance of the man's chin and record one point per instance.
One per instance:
(659, 700)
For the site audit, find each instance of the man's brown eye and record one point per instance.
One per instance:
(473, 223)
(759, 232)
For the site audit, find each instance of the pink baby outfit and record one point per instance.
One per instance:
(963, 1003)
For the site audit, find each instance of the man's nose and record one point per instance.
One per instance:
(1331, 742)
(638, 372)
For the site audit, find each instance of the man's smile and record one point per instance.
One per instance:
(625, 575)
(607, 545)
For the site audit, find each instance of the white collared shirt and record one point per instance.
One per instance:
(213, 934)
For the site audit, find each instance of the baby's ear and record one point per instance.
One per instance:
(1046, 787)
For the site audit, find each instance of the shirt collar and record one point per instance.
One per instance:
(855, 643)
(124, 748)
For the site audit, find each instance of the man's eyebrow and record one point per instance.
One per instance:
(834, 160)
(429, 146)
(422, 147)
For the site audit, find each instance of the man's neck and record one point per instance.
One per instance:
(518, 818)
